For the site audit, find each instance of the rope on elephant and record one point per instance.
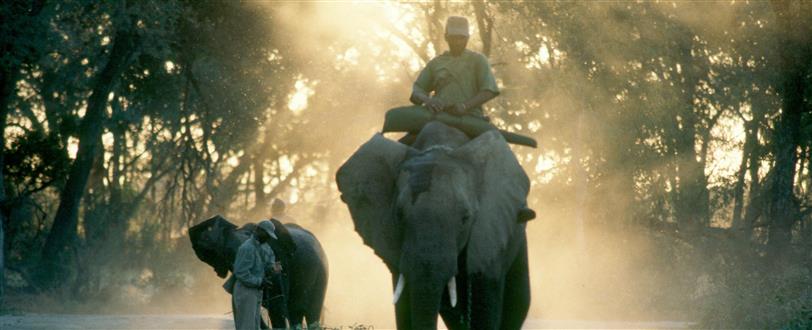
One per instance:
(437, 147)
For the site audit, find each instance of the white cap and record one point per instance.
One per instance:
(456, 26)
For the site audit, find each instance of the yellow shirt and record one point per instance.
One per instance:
(455, 79)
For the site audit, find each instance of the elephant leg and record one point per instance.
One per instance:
(276, 306)
(315, 301)
(486, 301)
(295, 317)
(276, 313)
(262, 324)
(456, 318)
(517, 291)
(278, 320)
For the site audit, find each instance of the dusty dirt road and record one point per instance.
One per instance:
(52, 321)
(223, 322)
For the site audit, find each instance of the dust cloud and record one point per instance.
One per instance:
(356, 70)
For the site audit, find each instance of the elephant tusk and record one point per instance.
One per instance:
(399, 289)
(452, 290)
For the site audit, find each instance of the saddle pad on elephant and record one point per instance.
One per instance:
(413, 118)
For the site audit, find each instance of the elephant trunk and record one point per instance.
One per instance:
(426, 297)
(426, 278)
(451, 287)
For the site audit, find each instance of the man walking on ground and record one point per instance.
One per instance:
(253, 258)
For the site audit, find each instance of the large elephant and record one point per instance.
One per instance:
(216, 240)
(442, 214)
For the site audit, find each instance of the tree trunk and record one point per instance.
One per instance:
(808, 220)
(692, 194)
(7, 82)
(260, 202)
(94, 201)
(435, 19)
(783, 207)
(64, 231)
(750, 139)
(117, 227)
(754, 208)
(485, 26)
(20, 13)
(794, 52)
(3, 113)
(225, 192)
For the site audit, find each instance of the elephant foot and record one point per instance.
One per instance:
(526, 214)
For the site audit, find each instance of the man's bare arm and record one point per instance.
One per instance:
(420, 96)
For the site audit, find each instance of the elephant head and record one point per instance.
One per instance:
(215, 242)
(446, 206)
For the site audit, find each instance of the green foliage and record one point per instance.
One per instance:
(35, 161)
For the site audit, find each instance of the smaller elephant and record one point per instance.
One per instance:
(216, 241)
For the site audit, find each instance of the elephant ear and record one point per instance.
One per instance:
(283, 245)
(367, 184)
(209, 241)
(502, 187)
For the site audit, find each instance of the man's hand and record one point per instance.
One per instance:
(435, 105)
(458, 109)
(277, 267)
(266, 283)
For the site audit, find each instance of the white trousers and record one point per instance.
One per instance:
(245, 303)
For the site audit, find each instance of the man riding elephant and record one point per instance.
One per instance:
(458, 82)
(441, 214)
(460, 79)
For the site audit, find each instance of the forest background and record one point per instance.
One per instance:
(672, 179)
